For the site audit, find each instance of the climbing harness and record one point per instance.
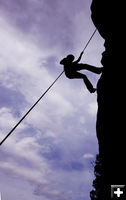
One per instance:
(42, 96)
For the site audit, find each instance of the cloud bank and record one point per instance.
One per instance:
(50, 153)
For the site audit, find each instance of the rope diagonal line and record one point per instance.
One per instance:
(89, 39)
(41, 96)
(30, 109)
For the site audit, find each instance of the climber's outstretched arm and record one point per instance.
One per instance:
(77, 61)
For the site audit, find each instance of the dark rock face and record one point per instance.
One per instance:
(110, 166)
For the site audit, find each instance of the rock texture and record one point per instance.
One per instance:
(110, 167)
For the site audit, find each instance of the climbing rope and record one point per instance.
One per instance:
(89, 39)
(41, 96)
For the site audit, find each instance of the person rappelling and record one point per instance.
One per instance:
(72, 67)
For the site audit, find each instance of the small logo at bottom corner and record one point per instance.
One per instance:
(118, 192)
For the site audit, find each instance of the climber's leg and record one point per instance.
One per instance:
(88, 84)
(96, 70)
(85, 79)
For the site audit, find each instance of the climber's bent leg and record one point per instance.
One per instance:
(88, 84)
(96, 70)
(85, 79)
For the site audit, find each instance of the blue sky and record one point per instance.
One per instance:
(49, 156)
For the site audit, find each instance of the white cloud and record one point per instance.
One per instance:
(8, 121)
(20, 70)
(24, 172)
(82, 120)
(92, 108)
(88, 155)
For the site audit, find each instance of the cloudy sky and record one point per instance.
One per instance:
(49, 156)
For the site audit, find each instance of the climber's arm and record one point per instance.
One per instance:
(77, 61)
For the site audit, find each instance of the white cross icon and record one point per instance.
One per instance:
(118, 192)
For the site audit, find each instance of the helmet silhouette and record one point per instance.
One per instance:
(70, 57)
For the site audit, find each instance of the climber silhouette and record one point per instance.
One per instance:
(72, 67)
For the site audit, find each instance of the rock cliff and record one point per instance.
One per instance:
(110, 166)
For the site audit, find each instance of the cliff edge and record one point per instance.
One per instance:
(110, 163)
